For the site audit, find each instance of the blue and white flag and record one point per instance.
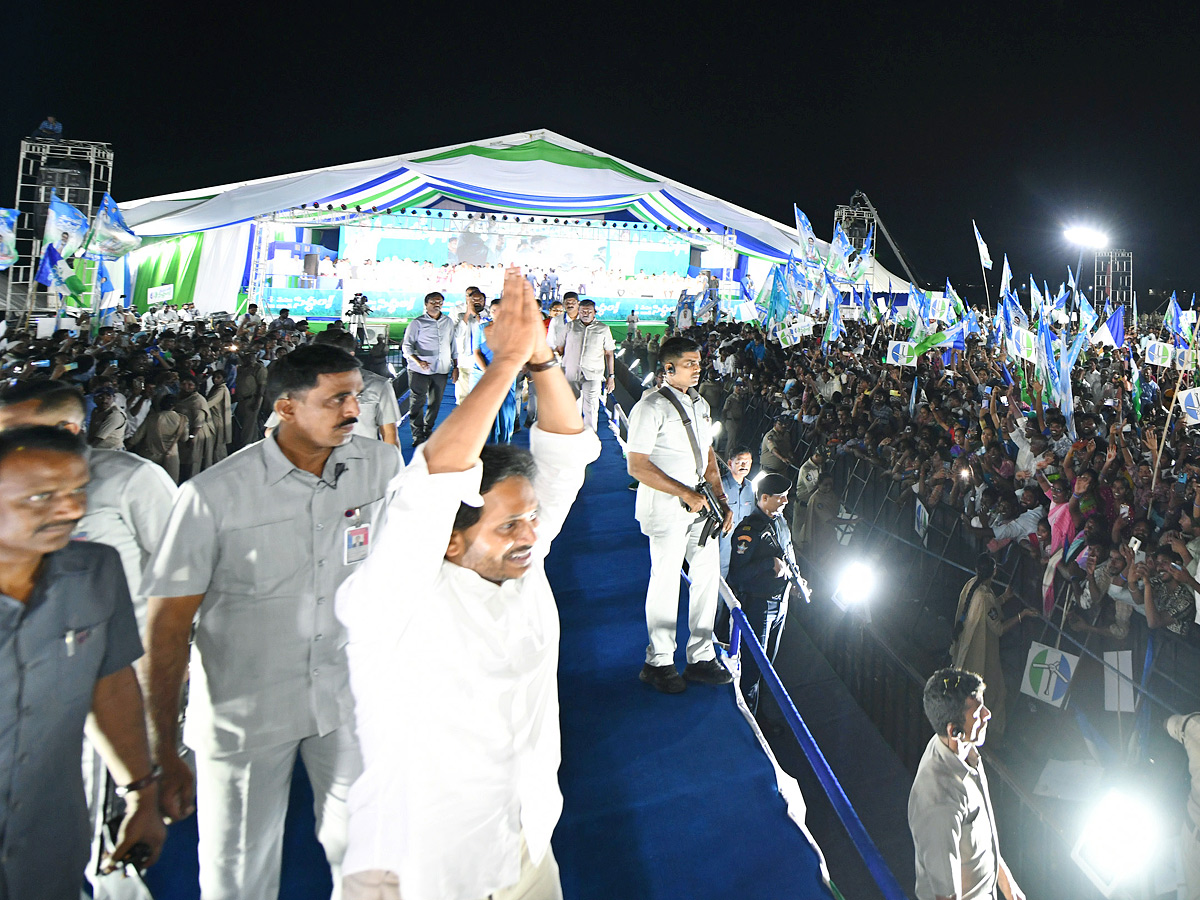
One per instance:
(109, 237)
(778, 301)
(1014, 310)
(1045, 363)
(66, 227)
(833, 327)
(1070, 278)
(8, 237)
(56, 273)
(1087, 315)
(1189, 405)
(1036, 301)
(1066, 402)
(808, 240)
(1174, 322)
(985, 258)
(1005, 276)
(839, 253)
(1112, 332)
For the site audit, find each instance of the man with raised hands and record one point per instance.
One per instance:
(459, 794)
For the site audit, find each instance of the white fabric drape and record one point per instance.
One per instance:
(222, 262)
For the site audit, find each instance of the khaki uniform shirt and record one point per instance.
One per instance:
(267, 545)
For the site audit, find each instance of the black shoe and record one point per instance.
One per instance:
(708, 672)
(664, 678)
(633, 485)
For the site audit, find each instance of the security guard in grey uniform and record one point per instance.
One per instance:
(759, 574)
(258, 546)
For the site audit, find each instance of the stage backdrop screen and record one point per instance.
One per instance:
(397, 260)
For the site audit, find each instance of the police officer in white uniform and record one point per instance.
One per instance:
(669, 451)
(258, 545)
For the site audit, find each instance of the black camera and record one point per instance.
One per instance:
(358, 306)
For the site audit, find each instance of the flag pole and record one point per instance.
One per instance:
(987, 291)
(1162, 444)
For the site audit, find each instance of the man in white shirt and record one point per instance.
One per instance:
(250, 319)
(466, 340)
(429, 348)
(669, 451)
(589, 360)
(459, 794)
(631, 323)
(949, 807)
(556, 331)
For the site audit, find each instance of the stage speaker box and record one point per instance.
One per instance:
(694, 257)
(311, 261)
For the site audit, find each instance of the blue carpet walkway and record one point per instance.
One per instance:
(665, 796)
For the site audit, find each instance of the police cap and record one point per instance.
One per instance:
(773, 484)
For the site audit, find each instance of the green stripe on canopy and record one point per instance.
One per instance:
(540, 150)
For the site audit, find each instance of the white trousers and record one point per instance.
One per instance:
(668, 550)
(538, 882)
(116, 885)
(589, 401)
(241, 803)
(466, 381)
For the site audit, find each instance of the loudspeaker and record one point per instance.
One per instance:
(311, 261)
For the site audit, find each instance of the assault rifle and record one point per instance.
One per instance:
(714, 519)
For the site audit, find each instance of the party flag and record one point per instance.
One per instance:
(985, 258)
(66, 227)
(8, 237)
(109, 236)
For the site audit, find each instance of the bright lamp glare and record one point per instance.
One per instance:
(1119, 841)
(755, 480)
(649, 378)
(1086, 237)
(716, 428)
(856, 583)
(619, 353)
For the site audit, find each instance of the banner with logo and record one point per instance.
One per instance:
(901, 353)
(1160, 354)
(1048, 673)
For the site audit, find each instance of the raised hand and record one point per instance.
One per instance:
(516, 322)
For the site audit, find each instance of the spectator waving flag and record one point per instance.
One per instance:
(1137, 389)
(1111, 333)
(8, 237)
(1014, 310)
(66, 227)
(955, 301)
(985, 258)
(109, 236)
(778, 301)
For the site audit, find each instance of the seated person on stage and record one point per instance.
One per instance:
(459, 794)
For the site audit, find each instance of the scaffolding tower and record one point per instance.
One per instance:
(1114, 281)
(79, 172)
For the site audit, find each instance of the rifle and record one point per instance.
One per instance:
(714, 519)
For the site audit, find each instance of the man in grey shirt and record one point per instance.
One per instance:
(949, 808)
(429, 348)
(257, 546)
(128, 501)
(67, 643)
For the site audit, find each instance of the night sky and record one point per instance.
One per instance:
(1026, 119)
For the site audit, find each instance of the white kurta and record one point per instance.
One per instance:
(455, 688)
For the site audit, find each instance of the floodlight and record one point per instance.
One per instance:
(649, 378)
(1119, 840)
(855, 584)
(1086, 237)
(620, 352)
(716, 428)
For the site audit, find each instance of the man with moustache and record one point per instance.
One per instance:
(257, 545)
(466, 340)
(68, 640)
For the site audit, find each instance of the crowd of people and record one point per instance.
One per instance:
(128, 437)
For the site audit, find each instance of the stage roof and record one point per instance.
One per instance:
(530, 173)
